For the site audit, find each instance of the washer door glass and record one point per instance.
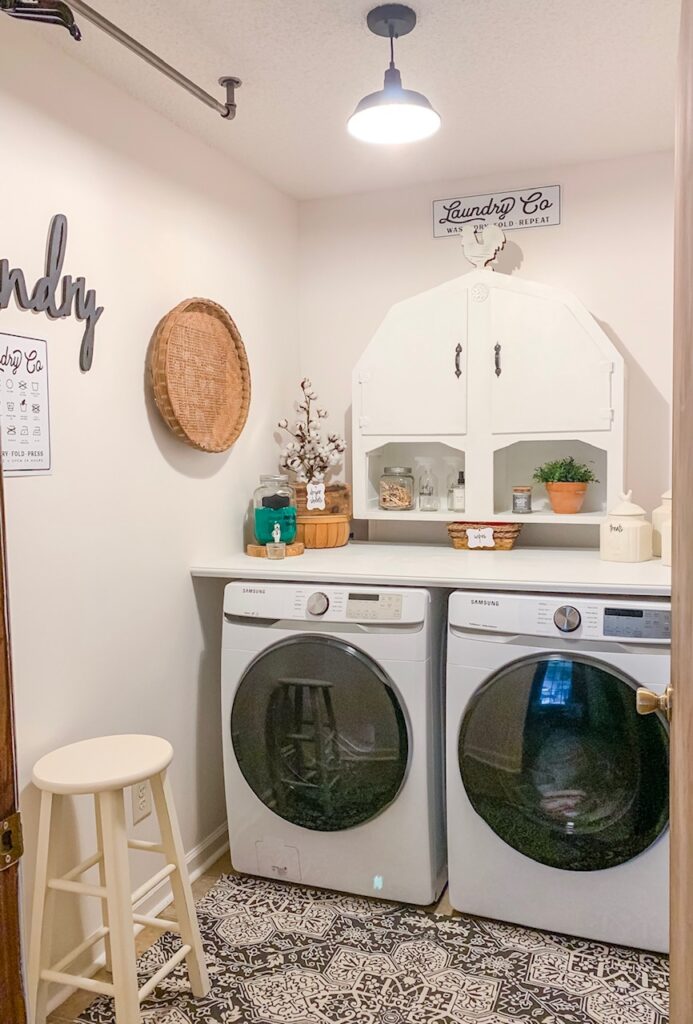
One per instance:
(555, 758)
(319, 733)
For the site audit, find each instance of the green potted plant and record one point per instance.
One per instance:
(566, 483)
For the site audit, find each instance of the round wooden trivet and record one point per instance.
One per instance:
(260, 551)
(200, 375)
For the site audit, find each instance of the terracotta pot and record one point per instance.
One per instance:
(337, 501)
(566, 498)
(321, 531)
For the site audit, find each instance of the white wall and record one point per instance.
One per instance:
(613, 249)
(109, 634)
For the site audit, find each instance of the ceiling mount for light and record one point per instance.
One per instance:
(393, 115)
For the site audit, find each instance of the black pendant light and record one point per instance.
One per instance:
(393, 115)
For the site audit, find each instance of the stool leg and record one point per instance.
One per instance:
(102, 879)
(119, 906)
(182, 893)
(41, 915)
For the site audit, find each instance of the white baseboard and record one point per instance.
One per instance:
(197, 860)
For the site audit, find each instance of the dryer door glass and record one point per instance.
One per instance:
(319, 733)
(555, 758)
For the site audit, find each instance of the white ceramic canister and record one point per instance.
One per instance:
(666, 540)
(661, 513)
(626, 535)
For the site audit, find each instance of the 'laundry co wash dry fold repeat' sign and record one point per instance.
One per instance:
(523, 208)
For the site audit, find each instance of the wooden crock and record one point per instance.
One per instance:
(337, 501)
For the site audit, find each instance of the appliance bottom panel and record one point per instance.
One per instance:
(627, 905)
(378, 867)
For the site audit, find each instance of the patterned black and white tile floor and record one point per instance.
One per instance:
(281, 954)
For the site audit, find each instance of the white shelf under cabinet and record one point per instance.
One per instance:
(542, 517)
(547, 516)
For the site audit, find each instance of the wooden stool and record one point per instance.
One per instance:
(104, 767)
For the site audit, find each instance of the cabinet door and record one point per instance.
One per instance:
(413, 379)
(549, 372)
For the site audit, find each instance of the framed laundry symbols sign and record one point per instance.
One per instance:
(24, 409)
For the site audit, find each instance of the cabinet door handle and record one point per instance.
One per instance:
(497, 350)
(458, 353)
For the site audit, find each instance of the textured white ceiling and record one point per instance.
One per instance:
(519, 83)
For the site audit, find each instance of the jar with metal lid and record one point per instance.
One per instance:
(396, 492)
(275, 510)
(522, 499)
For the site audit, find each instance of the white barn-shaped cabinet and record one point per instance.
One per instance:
(493, 375)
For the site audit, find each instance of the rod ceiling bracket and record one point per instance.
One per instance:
(230, 84)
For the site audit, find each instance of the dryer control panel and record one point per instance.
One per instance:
(572, 618)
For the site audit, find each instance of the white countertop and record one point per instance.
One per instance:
(554, 570)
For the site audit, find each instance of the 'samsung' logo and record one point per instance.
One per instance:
(485, 601)
(253, 590)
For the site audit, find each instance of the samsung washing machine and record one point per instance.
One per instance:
(557, 790)
(332, 736)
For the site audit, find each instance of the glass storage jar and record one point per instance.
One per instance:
(396, 493)
(275, 510)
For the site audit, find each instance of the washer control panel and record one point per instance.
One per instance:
(315, 602)
(579, 618)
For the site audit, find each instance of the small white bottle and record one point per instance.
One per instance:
(456, 494)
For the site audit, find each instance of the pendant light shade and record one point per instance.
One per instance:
(393, 115)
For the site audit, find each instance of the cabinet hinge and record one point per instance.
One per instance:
(11, 843)
(608, 366)
(363, 421)
(364, 377)
(608, 415)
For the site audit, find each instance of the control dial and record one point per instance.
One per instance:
(567, 618)
(318, 603)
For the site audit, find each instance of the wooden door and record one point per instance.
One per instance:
(548, 371)
(413, 378)
(11, 992)
(682, 625)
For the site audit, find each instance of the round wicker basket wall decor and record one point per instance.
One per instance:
(200, 375)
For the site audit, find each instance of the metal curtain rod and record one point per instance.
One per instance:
(59, 13)
(227, 109)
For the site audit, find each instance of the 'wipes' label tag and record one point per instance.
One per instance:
(481, 538)
(315, 496)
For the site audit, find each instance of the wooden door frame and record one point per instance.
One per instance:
(682, 570)
(11, 982)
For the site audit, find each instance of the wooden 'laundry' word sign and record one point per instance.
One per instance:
(56, 297)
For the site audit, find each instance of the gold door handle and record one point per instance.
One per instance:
(647, 702)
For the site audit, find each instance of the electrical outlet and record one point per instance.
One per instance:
(141, 802)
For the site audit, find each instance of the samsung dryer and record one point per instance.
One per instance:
(557, 790)
(332, 736)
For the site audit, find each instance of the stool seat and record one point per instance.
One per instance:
(103, 763)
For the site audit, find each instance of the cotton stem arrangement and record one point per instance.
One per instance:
(307, 455)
